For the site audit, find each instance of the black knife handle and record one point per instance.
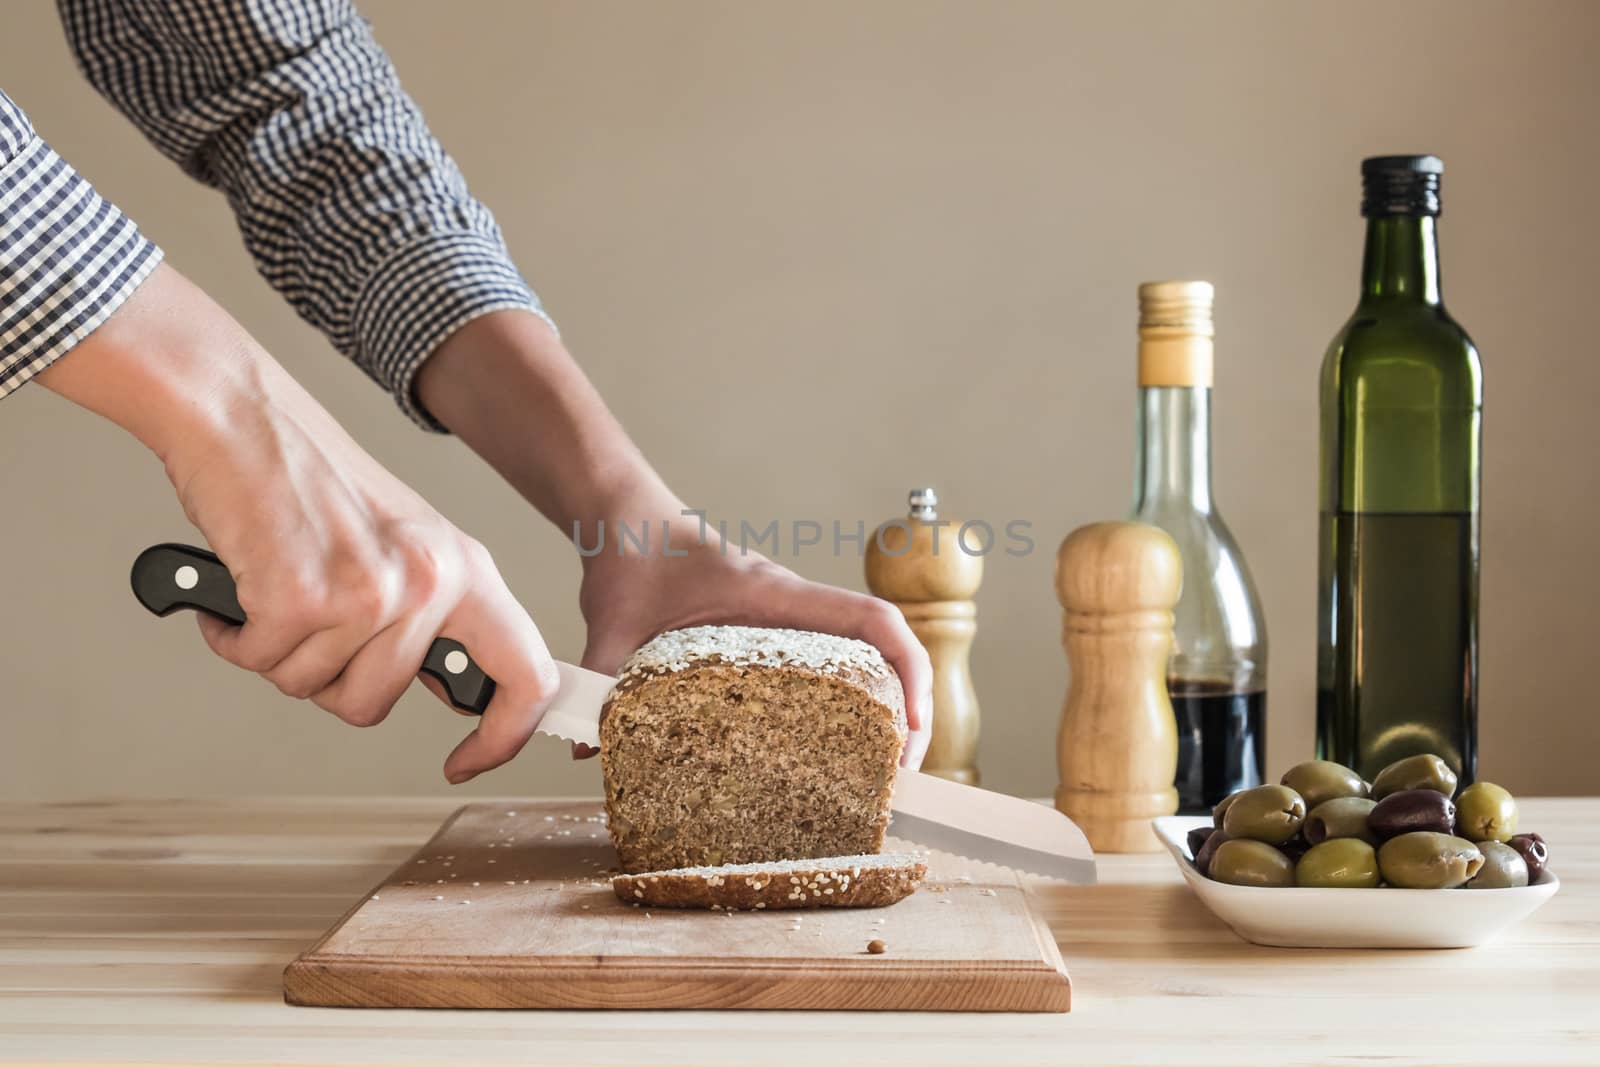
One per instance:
(171, 577)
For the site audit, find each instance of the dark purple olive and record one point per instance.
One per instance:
(1295, 847)
(1202, 859)
(1197, 839)
(1535, 853)
(1412, 811)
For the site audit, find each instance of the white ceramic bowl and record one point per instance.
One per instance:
(1354, 918)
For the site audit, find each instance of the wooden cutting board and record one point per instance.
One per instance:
(512, 908)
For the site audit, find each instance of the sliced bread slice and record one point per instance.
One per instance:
(834, 882)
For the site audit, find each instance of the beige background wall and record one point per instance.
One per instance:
(817, 253)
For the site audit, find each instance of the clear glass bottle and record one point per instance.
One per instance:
(1402, 425)
(1217, 677)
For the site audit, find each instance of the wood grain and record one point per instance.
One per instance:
(157, 931)
(923, 569)
(1117, 749)
(512, 908)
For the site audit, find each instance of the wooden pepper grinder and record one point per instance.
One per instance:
(918, 564)
(1118, 747)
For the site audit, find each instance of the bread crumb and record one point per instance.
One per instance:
(986, 892)
(876, 947)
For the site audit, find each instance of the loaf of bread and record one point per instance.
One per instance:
(835, 882)
(733, 744)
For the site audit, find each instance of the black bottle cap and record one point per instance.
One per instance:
(1400, 186)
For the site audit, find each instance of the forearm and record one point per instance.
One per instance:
(506, 385)
(179, 374)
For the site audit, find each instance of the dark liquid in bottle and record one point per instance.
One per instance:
(1400, 676)
(1222, 741)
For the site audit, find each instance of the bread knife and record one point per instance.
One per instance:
(930, 811)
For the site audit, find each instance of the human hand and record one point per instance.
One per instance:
(628, 599)
(345, 575)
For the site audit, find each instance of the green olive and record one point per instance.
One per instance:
(1270, 813)
(1428, 860)
(1244, 862)
(1340, 817)
(1415, 772)
(1338, 863)
(1218, 812)
(1485, 812)
(1319, 780)
(1503, 867)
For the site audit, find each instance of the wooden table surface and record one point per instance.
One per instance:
(156, 931)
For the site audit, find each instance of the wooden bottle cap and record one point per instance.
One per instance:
(1175, 334)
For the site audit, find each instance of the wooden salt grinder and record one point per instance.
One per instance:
(933, 582)
(1118, 747)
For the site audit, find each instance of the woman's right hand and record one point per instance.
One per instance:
(345, 574)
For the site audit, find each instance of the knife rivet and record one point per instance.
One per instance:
(186, 577)
(455, 661)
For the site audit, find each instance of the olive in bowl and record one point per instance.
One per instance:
(1202, 859)
(1319, 780)
(1411, 810)
(1486, 812)
(1267, 813)
(1196, 839)
(1415, 772)
(1338, 863)
(1340, 817)
(1241, 861)
(1503, 867)
(1428, 860)
(1534, 852)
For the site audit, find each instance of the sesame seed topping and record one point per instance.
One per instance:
(750, 646)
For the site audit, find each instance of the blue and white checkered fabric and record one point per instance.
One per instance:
(349, 205)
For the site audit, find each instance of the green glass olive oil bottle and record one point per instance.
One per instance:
(1402, 415)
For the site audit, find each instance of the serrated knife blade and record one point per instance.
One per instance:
(990, 827)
